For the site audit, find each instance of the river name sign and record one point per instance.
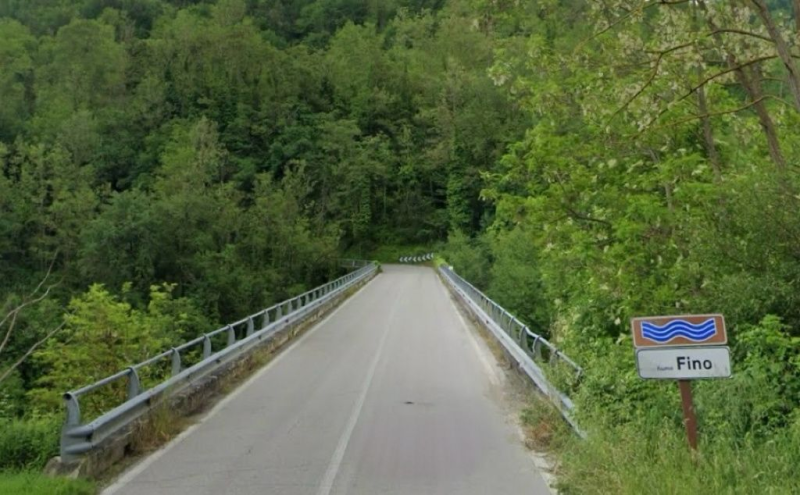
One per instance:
(682, 348)
(684, 363)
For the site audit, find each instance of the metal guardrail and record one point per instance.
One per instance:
(416, 259)
(350, 263)
(525, 346)
(78, 439)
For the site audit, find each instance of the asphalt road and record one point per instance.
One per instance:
(390, 395)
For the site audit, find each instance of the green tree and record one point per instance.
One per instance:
(17, 51)
(102, 336)
(83, 69)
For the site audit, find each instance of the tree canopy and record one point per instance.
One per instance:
(583, 162)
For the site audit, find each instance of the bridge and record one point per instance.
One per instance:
(391, 392)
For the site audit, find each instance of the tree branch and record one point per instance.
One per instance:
(726, 71)
(650, 79)
(641, 8)
(31, 299)
(644, 5)
(25, 356)
(706, 115)
(741, 31)
(579, 216)
(16, 312)
(709, 79)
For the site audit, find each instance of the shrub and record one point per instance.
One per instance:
(34, 483)
(29, 443)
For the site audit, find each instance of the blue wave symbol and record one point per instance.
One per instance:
(679, 328)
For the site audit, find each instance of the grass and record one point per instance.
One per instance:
(630, 460)
(633, 459)
(160, 426)
(28, 443)
(544, 428)
(36, 483)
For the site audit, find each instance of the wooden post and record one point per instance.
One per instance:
(689, 418)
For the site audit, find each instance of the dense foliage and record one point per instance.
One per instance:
(174, 164)
(659, 177)
(167, 166)
(232, 149)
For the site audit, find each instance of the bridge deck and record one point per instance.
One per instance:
(390, 395)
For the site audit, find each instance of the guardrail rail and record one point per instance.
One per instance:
(530, 350)
(77, 438)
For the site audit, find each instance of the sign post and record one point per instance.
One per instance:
(689, 419)
(682, 348)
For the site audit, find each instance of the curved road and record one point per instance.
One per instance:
(390, 395)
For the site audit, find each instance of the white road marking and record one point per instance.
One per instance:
(484, 355)
(543, 466)
(326, 485)
(142, 466)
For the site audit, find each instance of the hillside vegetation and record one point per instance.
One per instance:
(170, 165)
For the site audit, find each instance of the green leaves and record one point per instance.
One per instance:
(102, 336)
(17, 51)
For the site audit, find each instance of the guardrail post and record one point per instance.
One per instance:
(176, 361)
(279, 312)
(73, 410)
(206, 347)
(73, 420)
(265, 320)
(133, 383)
(537, 348)
(251, 326)
(231, 336)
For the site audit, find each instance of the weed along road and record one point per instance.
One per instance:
(391, 395)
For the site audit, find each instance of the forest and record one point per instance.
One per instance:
(167, 166)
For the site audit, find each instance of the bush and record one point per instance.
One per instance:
(468, 258)
(635, 459)
(28, 444)
(34, 483)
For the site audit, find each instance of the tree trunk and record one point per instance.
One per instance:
(708, 135)
(708, 130)
(753, 88)
(797, 18)
(752, 84)
(782, 48)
